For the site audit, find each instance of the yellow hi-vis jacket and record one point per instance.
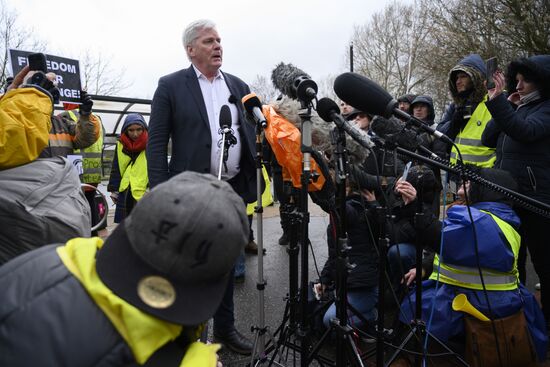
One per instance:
(25, 122)
(91, 157)
(133, 175)
(267, 198)
(468, 140)
(468, 277)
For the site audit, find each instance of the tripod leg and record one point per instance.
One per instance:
(401, 346)
(353, 354)
(204, 334)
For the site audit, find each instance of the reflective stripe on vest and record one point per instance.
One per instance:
(134, 175)
(469, 143)
(92, 163)
(468, 277)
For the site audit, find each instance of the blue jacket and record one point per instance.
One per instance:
(442, 320)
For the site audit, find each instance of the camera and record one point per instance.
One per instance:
(37, 62)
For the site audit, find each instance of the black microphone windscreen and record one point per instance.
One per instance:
(325, 108)
(225, 117)
(364, 94)
(394, 131)
(232, 99)
(385, 127)
(283, 77)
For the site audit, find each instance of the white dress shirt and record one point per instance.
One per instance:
(216, 94)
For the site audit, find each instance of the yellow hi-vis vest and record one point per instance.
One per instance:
(91, 157)
(134, 175)
(267, 199)
(468, 140)
(468, 277)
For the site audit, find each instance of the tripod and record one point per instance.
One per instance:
(346, 349)
(418, 327)
(297, 302)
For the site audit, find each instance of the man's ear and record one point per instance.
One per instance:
(190, 50)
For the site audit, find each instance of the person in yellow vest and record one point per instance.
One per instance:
(92, 166)
(142, 297)
(129, 181)
(466, 118)
(455, 267)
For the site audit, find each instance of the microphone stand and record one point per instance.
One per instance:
(306, 148)
(258, 351)
(418, 329)
(346, 349)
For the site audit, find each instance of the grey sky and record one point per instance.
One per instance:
(144, 37)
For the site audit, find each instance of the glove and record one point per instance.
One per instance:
(86, 104)
(458, 120)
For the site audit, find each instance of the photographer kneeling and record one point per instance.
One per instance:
(362, 280)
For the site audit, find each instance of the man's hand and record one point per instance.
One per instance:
(500, 84)
(369, 195)
(515, 98)
(114, 197)
(18, 79)
(86, 104)
(319, 290)
(406, 190)
(410, 277)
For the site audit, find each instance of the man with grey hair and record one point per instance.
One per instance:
(186, 108)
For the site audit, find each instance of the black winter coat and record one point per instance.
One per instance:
(523, 143)
(41, 321)
(362, 253)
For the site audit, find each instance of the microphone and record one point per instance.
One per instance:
(232, 99)
(328, 110)
(366, 95)
(293, 82)
(393, 132)
(253, 106)
(225, 119)
(227, 140)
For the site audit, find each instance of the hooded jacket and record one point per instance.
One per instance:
(41, 203)
(523, 133)
(474, 66)
(465, 119)
(362, 250)
(427, 100)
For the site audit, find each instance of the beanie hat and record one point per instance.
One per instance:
(133, 119)
(173, 255)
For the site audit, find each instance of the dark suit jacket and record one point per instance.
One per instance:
(178, 111)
